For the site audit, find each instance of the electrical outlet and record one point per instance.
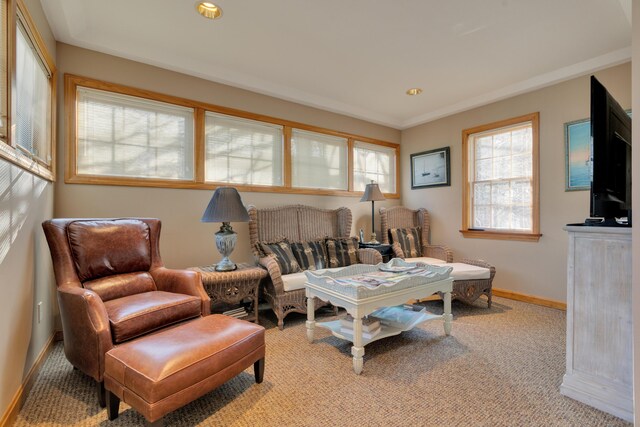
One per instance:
(39, 311)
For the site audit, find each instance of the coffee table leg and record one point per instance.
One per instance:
(358, 349)
(311, 315)
(448, 317)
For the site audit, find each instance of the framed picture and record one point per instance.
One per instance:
(431, 168)
(577, 140)
(577, 146)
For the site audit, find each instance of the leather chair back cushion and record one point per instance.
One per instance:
(104, 248)
(121, 285)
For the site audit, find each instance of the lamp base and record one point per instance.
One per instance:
(373, 240)
(225, 242)
(226, 265)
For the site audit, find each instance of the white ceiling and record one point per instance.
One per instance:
(358, 57)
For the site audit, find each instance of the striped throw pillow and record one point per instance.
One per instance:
(409, 240)
(310, 255)
(281, 251)
(342, 252)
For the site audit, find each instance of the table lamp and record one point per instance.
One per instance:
(372, 194)
(225, 206)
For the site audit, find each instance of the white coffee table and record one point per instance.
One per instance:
(361, 300)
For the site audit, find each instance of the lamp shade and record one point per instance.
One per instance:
(225, 206)
(372, 193)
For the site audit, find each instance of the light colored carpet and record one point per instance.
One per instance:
(500, 367)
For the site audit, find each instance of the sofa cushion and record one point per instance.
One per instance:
(408, 239)
(426, 260)
(139, 314)
(461, 271)
(294, 281)
(281, 251)
(106, 247)
(121, 285)
(342, 252)
(310, 255)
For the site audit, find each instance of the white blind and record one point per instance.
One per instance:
(122, 135)
(3, 70)
(374, 162)
(318, 160)
(33, 99)
(243, 151)
(502, 181)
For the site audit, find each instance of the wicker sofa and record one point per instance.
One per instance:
(472, 277)
(296, 223)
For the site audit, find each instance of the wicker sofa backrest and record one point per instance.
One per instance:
(401, 217)
(298, 223)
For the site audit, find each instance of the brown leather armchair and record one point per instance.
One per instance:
(112, 287)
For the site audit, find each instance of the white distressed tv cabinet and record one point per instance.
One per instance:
(599, 334)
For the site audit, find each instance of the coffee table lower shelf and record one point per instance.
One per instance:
(390, 325)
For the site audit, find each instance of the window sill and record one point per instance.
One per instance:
(16, 157)
(159, 183)
(501, 235)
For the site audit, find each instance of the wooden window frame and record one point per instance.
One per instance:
(467, 228)
(17, 11)
(72, 82)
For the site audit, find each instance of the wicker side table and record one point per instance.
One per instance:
(232, 287)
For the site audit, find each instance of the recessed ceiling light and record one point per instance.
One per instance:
(208, 10)
(414, 91)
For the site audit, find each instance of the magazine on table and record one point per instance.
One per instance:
(376, 278)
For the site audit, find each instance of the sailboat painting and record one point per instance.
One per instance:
(431, 168)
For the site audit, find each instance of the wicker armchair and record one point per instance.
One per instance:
(467, 290)
(297, 223)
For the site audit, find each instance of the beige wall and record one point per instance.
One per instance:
(185, 240)
(531, 268)
(26, 277)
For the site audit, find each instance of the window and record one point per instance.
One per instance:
(128, 136)
(27, 93)
(243, 151)
(33, 99)
(119, 135)
(501, 180)
(319, 160)
(374, 162)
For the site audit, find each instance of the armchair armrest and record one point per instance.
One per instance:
(86, 329)
(369, 256)
(438, 251)
(275, 274)
(182, 282)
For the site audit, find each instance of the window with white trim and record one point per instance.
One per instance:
(243, 151)
(127, 136)
(319, 160)
(374, 162)
(502, 178)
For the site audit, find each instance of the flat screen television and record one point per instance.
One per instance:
(611, 160)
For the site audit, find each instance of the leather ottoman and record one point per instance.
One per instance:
(159, 373)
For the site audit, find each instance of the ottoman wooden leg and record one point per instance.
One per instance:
(113, 406)
(258, 370)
